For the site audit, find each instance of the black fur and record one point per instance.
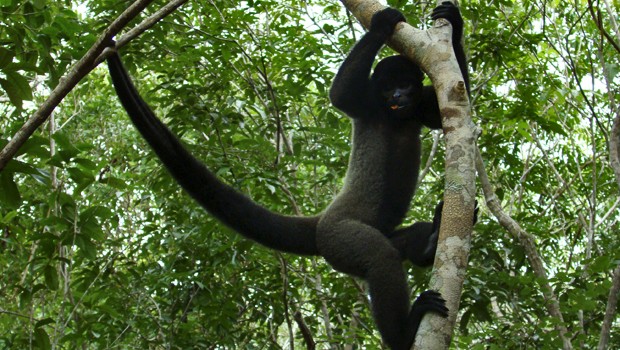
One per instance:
(356, 232)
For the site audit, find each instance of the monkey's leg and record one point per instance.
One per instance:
(358, 249)
(416, 243)
(389, 299)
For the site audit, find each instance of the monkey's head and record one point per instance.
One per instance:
(398, 85)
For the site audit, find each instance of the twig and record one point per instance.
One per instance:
(610, 311)
(429, 160)
(81, 69)
(527, 242)
(287, 316)
(305, 331)
(318, 285)
(141, 28)
(598, 21)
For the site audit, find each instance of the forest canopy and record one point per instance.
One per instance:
(100, 248)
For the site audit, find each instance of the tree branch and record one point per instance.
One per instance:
(528, 243)
(305, 331)
(91, 59)
(597, 18)
(429, 160)
(614, 162)
(610, 311)
(141, 28)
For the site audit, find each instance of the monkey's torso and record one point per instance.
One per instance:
(382, 173)
(378, 187)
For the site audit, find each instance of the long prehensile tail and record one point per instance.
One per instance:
(284, 233)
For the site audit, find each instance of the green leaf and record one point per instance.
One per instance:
(42, 340)
(114, 182)
(68, 23)
(87, 247)
(51, 277)
(9, 216)
(36, 145)
(44, 322)
(9, 195)
(67, 150)
(86, 165)
(17, 88)
(91, 228)
(6, 57)
(612, 70)
(39, 4)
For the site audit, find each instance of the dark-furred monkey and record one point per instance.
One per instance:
(357, 233)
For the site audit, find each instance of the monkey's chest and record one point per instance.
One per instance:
(382, 174)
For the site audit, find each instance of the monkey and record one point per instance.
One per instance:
(388, 111)
(357, 233)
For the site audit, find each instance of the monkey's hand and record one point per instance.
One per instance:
(384, 21)
(430, 301)
(450, 12)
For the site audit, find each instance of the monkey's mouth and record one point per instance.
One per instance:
(396, 106)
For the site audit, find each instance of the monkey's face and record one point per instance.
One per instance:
(398, 98)
(398, 85)
(401, 99)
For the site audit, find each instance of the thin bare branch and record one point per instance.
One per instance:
(141, 28)
(431, 157)
(81, 69)
(597, 17)
(610, 311)
(528, 243)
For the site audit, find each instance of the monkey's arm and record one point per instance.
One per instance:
(350, 88)
(418, 242)
(429, 113)
(450, 12)
(284, 233)
(350, 91)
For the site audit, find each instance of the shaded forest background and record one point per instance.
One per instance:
(99, 248)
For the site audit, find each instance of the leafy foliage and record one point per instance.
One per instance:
(99, 248)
